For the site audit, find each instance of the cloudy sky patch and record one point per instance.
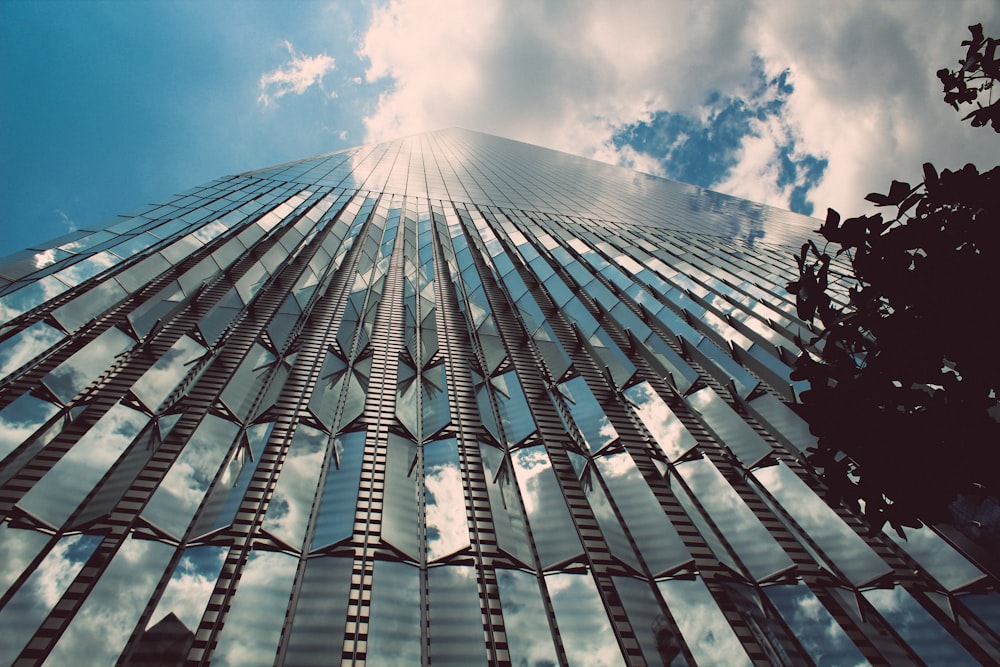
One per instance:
(299, 74)
(774, 101)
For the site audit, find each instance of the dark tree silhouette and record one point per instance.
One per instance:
(978, 72)
(905, 371)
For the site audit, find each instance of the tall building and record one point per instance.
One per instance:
(447, 400)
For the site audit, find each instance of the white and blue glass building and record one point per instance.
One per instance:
(446, 400)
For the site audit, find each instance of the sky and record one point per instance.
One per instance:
(108, 106)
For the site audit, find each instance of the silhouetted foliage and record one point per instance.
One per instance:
(905, 372)
(978, 72)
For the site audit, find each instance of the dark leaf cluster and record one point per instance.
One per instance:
(904, 378)
(977, 74)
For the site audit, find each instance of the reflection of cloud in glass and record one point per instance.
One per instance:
(157, 383)
(583, 624)
(190, 586)
(815, 628)
(253, 625)
(17, 548)
(702, 624)
(26, 610)
(445, 511)
(530, 463)
(176, 499)
(290, 505)
(524, 618)
(58, 493)
(29, 296)
(940, 560)
(26, 345)
(838, 541)
(660, 421)
(77, 372)
(551, 523)
(918, 628)
(20, 419)
(114, 605)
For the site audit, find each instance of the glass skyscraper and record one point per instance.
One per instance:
(446, 400)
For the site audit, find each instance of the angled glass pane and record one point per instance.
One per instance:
(754, 546)
(839, 543)
(704, 628)
(220, 509)
(253, 624)
(20, 419)
(819, 633)
(71, 376)
(444, 500)
(658, 541)
(399, 507)
(661, 644)
(505, 505)
(456, 627)
(114, 605)
(54, 497)
(25, 611)
(339, 495)
(729, 427)
(190, 587)
(320, 617)
(528, 634)
(27, 344)
(156, 384)
(918, 628)
(17, 549)
(668, 431)
(394, 635)
(183, 487)
(583, 624)
(291, 501)
(551, 524)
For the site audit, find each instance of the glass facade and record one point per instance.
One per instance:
(449, 400)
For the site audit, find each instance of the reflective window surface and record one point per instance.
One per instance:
(449, 399)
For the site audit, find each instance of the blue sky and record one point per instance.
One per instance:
(107, 106)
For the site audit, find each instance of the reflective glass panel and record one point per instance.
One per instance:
(190, 586)
(399, 507)
(36, 597)
(660, 421)
(755, 547)
(20, 419)
(394, 629)
(179, 494)
(114, 605)
(444, 500)
(528, 633)
(340, 490)
(551, 524)
(78, 371)
(702, 624)
(583, 624)
(840, 544)
(253, 625)
(25, 345)
(291, 502)
(317, 631)
(918, 628)
(456, 626)
(815, 628)
(156, 384)
(59, 492)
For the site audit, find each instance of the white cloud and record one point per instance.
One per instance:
(67, 222)
(296, 76)
(566, 75)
